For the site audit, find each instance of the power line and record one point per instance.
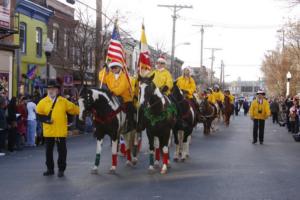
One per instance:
(175, 8)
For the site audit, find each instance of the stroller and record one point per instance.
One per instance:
(282, 120)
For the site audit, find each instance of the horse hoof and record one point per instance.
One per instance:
(129, 163)
(156, 164)
(94, 171)
(112, 170)
(182, 159)
(187, 156)
(164, 171)
(151, 170)
(134, 161)
(175, 159)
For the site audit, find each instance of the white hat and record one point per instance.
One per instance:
(186, 67)
(161, 60)
(216, 86)
(260, 91)
(112, 64)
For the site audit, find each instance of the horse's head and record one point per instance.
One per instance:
(177, 93)
(85, 102)
(147, 90)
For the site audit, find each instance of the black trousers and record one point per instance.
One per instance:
(258, 126)
(12, 138)
(62, 153)
(275, 117)
(3, 134)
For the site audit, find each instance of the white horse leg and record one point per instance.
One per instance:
(164, 168)
(176, 154)
(157, 151)
(98, 155)
(184, 150)
(180, 140)
(135, 147)
(114, 150)
(189, 141)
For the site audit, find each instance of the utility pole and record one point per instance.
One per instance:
(212, 62)
(175, 8)
(223, 74)
(98, 49)
(202, 37)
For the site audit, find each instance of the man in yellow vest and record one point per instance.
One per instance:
(259, 111)
(218, 94)
(116, 81)
(163, 78)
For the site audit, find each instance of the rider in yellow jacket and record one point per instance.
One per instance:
(118, 84)
(186, 83)
(116, 81)
(163, 78)
(210, 96)
(218, 94)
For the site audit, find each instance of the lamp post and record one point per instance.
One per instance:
(48, 47)
(288, 78)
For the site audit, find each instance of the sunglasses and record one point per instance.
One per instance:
(161, 63)
(114, 67)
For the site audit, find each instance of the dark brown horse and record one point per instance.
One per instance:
(227, 110)
(208, 112)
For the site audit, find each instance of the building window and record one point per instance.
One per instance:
(39, 42)
(55, 38)
(23, 37)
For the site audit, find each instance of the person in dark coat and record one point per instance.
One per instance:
(246, 107)
(3, 125)
(12, 124)
(274, 106)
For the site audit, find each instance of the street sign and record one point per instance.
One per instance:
(68, 80)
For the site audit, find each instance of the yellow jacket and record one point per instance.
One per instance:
(135, 90)
(163, 78)
(218, 96)
(119, 86)
(59, 115)
(211, 98)
(264, 108)
(187, 84)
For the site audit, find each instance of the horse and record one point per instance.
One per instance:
(109, 118)
(157, 115)
(227, 110)
(185, 123)
(208, 112)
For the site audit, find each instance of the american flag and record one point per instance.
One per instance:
(115, 52)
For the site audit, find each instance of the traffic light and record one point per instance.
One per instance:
(71, 1)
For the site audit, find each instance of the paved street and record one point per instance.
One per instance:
(224, 165)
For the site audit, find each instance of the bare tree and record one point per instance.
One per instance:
(83, 42)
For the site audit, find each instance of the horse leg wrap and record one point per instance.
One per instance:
(123, 149)
(128, 152)
(140, 145)
(134, 150)
(114, 159)
(165, 158)
(157, 154)
(165, 155)
(151, 158)
(97, 160)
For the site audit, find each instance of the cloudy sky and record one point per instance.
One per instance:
(243, 29)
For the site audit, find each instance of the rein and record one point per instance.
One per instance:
(109, 117)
